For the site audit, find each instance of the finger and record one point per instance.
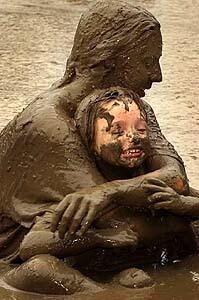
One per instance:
(151, 188)
(160, 196)
(57, 215)
(162, 205)
(88, 220)
(106, 210)
(77, 219)
(67, 216)
(156, 181)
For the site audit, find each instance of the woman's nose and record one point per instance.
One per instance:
(156, 75)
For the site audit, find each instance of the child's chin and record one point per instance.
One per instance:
(132, 163)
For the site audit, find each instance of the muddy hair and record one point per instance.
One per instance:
(91, 108)
(105, 32)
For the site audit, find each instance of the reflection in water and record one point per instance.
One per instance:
(179, 281)
(37, 37)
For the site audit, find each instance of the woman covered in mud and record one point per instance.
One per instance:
(45, 167)
(113, 126)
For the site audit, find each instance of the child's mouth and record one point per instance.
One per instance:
(132, 153)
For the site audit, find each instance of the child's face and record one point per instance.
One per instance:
(121, 135)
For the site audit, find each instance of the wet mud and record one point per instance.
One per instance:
(37, 38)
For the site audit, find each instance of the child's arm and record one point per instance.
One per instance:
(167, 199)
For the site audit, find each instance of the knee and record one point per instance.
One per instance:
(34, 243)
(35, 275)
(45, 274)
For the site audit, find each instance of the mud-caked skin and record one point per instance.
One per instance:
(134, 278)
(54, 277)
(46, 169)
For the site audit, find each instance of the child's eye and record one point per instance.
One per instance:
(141, 130)
(117, 132)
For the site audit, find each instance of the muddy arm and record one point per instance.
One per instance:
(77, 211)
(193, 192)
(177, 204)
(133, 192)
(166, 198)
(163, 159)
(169, 170)
(190, 206)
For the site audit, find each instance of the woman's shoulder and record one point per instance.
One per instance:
(42, 116)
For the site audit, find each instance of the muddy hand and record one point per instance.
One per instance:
(77, 211)
(162, 196)
(159, 192)
(153, 185)
(167, 201)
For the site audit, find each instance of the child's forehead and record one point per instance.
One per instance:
(120, 105)
(122, 109)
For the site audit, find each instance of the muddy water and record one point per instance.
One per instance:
(36, 38)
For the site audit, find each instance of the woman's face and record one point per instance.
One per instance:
(121, 135)
(140, 65)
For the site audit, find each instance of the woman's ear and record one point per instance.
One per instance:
(100, 69)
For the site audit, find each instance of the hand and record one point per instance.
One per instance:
(162, 196)
(77, 211)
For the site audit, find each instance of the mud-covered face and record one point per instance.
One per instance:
(121, 135)
(141, 66)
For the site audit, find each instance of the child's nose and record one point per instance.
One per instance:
(134, 138)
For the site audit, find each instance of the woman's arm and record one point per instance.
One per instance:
(169, 170)
(163, 157)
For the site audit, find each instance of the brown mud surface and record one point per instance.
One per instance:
(36, 38)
